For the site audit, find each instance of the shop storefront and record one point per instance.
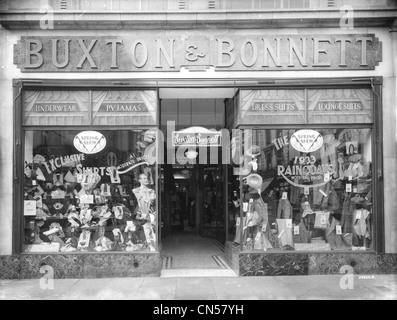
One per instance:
(307, 183)
(295, 178)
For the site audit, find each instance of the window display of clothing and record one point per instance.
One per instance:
(320, 196)
(303, 236)
(347, 214)
(321, 220)
(284, 210)
(338, 241)
(361, 225)
(272, 207)
(86, 195)
(285, 235)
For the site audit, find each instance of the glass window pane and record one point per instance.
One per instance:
(90, 191)
(308, 190)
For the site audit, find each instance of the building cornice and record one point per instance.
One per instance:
(78, 20)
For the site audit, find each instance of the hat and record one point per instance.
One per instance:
(117, 232)
(253, 220)
(357, 200)
(150, 154)
(306, 209)
(38, 158)
(40, 175)
(254, 151)
(253, 191)
(254, 181)
(58, 206)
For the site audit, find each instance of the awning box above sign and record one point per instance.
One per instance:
(340, 106)
(117, 107)
(271, 106)
(305, 106)
(155, 51)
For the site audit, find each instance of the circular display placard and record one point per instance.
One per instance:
(307, 141)
(89, 142)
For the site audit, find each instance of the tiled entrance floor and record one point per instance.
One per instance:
(190, 255)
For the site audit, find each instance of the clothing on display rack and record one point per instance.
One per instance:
(341, 241)
(285, 235)
(347, 214)
(303, 236)
(322, 220)
(284, 210)
(272, 207)
(320, 196)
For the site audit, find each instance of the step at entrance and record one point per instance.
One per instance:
(189, 254)
(192, 273)
(219, 260)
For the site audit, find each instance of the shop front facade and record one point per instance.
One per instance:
(280, 136)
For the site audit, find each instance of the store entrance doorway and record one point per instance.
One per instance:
(196, 200)
(194, 217)
(194, 194)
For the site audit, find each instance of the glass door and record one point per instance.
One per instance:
(212, 194)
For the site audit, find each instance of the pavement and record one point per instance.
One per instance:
(318, 287)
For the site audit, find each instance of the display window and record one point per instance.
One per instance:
(306, 190)
(90, 191)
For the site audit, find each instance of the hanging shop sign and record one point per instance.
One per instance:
(196, 137)
(306, 141)
(89, 142)
(149, 51)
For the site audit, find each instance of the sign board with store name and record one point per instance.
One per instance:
(143, 51)
(196, 137)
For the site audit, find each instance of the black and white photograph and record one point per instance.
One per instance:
(198, 157)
